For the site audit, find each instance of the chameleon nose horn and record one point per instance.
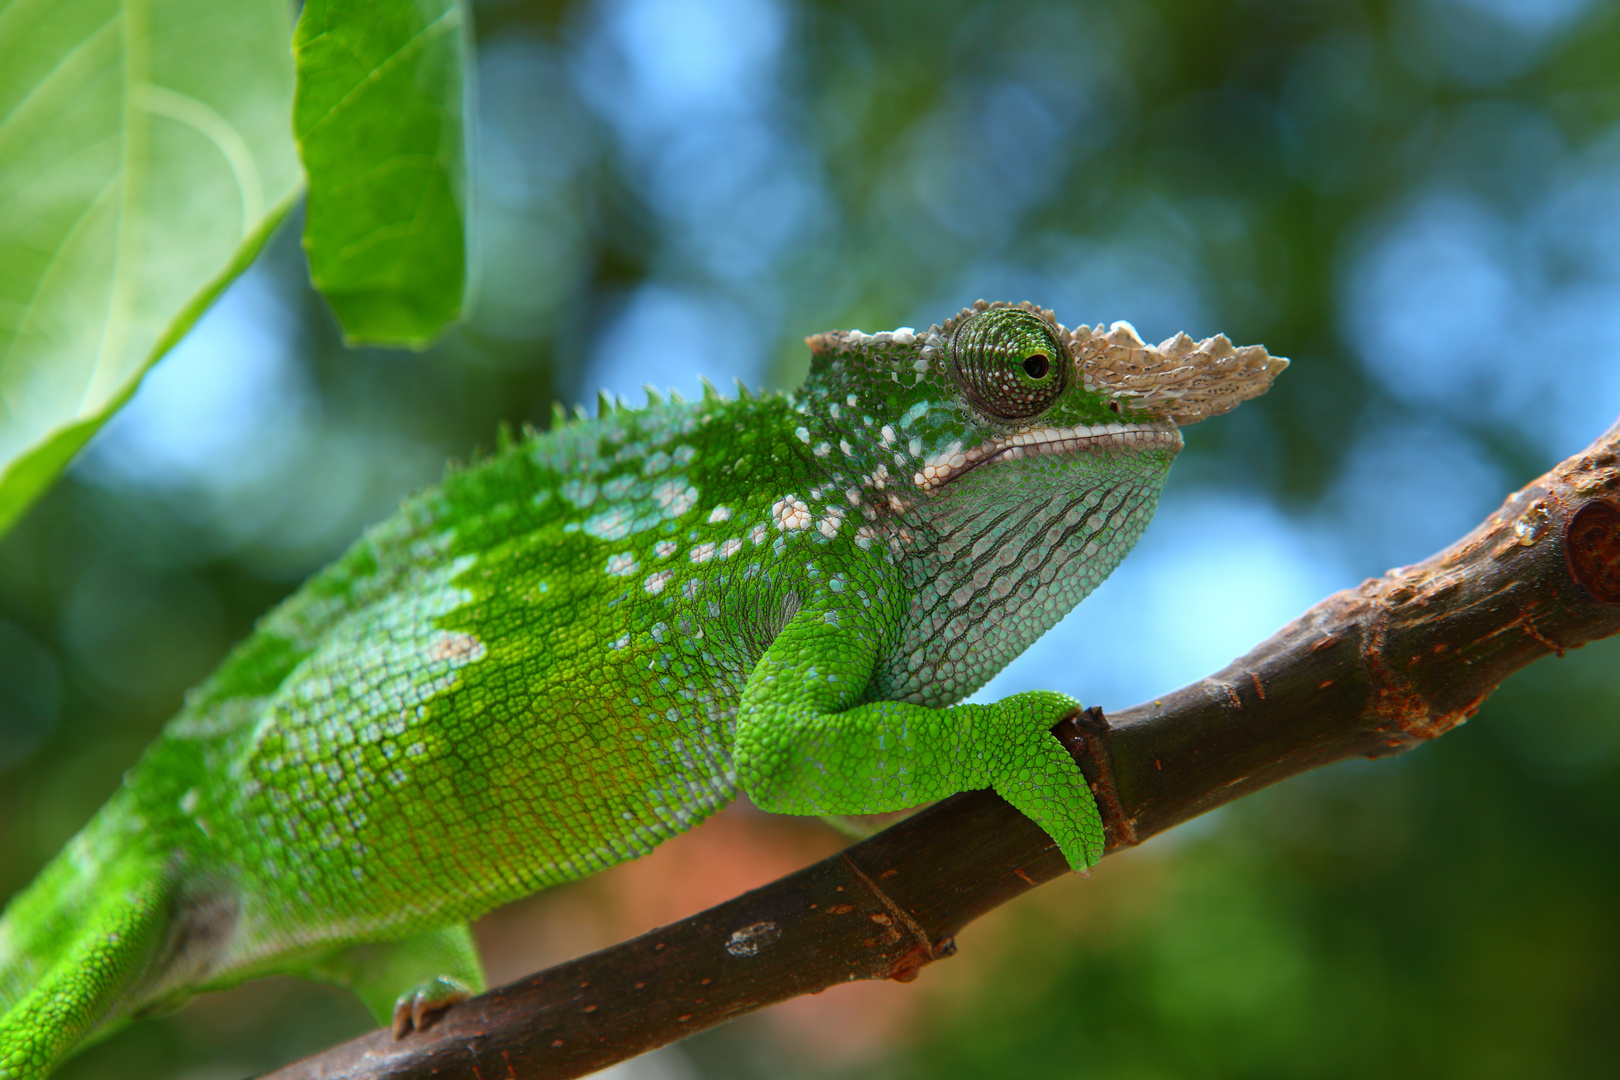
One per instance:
(1179, 379)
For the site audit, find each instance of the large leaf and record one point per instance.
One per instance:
(144, 158)
(379, 120)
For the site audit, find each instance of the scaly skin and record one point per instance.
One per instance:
(587, 643)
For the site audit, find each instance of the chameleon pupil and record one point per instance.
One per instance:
(1037, 365)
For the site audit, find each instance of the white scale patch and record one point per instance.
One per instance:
(614, 524)
(676, 497)
(639, 505)
(790, 513)
(581, 493)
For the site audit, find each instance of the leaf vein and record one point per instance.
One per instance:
(185, 109)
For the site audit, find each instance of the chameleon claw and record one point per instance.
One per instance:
(416, 1009)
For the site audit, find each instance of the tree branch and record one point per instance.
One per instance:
(1368, 672)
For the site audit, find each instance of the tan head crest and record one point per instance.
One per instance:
(1182, 380)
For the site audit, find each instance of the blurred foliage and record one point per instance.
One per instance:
(1417, 200)
(379, 116)
(144, 159)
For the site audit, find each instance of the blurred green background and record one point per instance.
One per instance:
(1416, 200)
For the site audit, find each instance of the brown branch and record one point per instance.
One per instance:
(1367, 672)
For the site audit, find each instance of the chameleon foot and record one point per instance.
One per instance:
(416, 1008)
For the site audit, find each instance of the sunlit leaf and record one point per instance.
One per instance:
(144, 158)
(379, 120)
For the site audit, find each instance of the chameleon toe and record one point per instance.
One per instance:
(418, 1007)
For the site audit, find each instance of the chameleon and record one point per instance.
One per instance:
(596, 636)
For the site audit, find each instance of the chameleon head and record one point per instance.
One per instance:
(1002, 382)
(1007, 464)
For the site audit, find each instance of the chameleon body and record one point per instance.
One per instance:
(590, 641)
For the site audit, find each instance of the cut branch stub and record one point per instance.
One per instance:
(1592, 546)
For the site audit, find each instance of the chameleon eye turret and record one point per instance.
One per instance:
(1008, 363)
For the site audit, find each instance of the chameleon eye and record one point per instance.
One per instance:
(1007, 363)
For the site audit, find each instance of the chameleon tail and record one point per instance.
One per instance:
(67, 968)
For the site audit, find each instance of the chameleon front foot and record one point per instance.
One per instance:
(418, 1007)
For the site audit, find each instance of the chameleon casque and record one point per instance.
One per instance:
(591, 640)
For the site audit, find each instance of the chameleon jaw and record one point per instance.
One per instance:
(944, 468)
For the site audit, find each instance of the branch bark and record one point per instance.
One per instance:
(1368, 672)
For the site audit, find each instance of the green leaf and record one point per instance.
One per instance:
(144, 159)
(379, 121)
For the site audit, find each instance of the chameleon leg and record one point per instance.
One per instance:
(405, 982)
(112, 946)
(807, 744)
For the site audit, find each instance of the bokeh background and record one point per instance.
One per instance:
(1417, 200)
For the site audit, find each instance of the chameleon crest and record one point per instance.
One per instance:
(592, 640)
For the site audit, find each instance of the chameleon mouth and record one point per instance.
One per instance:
(1047, 442)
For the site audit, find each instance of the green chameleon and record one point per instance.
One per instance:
(590, 641)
